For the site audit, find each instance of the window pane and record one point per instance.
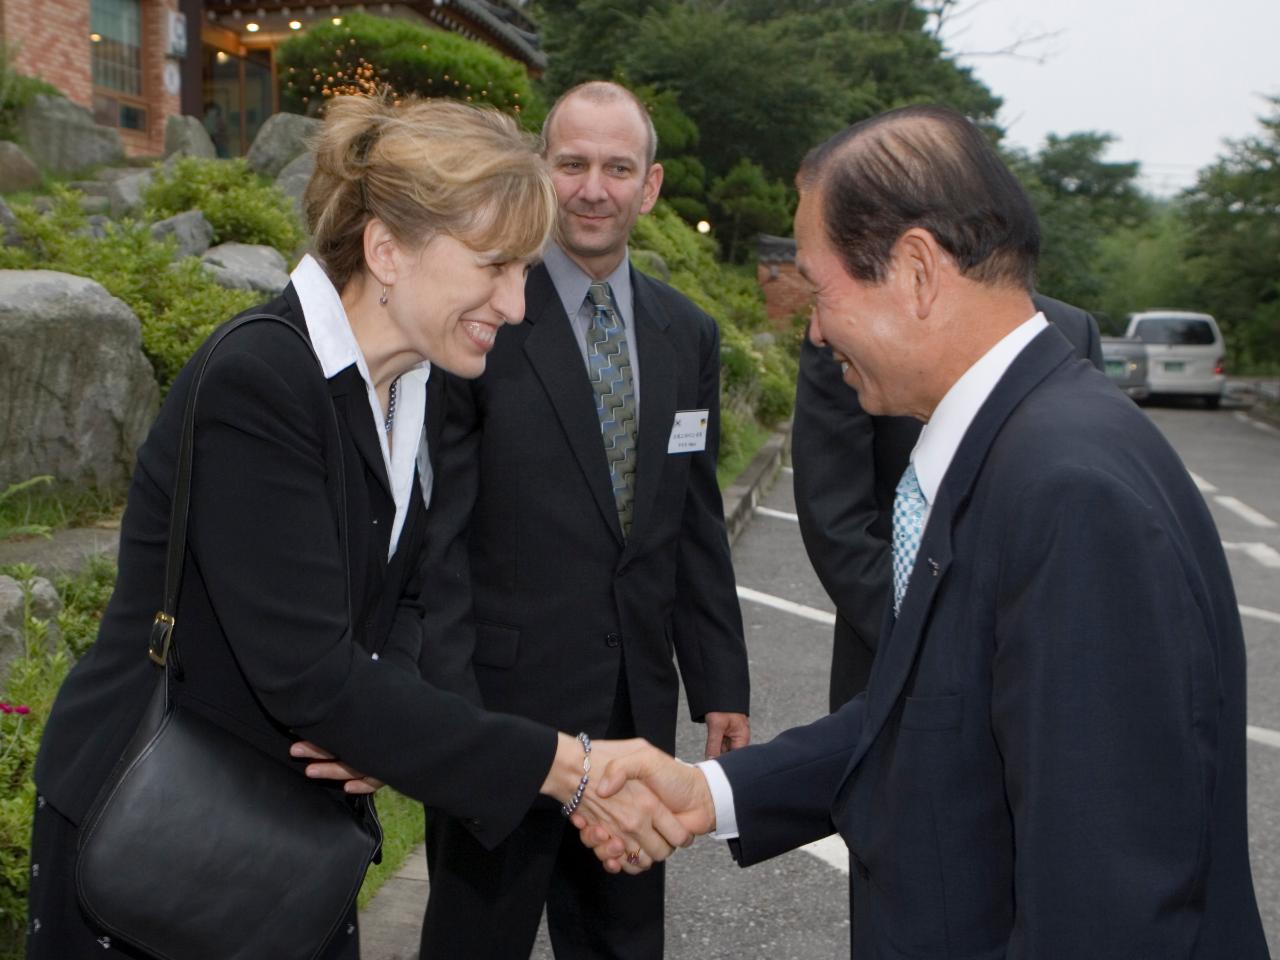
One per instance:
(116, 43)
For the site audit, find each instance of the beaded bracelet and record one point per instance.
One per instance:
(568, 808)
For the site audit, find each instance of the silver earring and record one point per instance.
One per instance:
(382, 300)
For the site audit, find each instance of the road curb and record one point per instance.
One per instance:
(742, 495)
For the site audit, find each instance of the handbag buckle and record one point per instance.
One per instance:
(161, 638)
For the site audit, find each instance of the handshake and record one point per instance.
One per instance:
(638, 804)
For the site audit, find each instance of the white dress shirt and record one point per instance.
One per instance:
(932, 455)
(336, 346)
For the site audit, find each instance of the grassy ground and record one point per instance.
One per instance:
(753, 438)
(402, 831)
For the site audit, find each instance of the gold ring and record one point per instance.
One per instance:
(633, 857)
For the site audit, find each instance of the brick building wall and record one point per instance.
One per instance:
(785, 292)
(50, 40)
(160, 103)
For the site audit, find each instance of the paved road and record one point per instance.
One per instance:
(795, 907)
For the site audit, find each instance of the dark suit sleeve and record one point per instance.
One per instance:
(1106, 711)
(1078, 325)
(403, 645)
(784, 790)
(449, 633)
(706, 620)
(833, 461)
(265, 542)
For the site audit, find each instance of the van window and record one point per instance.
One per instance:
(1179, 331)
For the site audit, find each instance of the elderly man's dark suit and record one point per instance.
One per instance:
(1049, 759)
(847, 464)
(548, 605)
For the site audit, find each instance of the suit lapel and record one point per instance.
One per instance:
(657, 366)
(436, 410)
(896, 654)
(556, 359)
(350, 399)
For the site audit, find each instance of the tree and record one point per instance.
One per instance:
(1233, 216)
(1080, 198)
(746, 204)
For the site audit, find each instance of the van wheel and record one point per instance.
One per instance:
(1211, 402)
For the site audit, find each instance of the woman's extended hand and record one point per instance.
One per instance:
(331, 768)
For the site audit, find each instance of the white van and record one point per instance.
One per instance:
(1184, 353)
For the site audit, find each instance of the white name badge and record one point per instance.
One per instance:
(689, 431)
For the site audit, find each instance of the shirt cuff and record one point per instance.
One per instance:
(722, 797)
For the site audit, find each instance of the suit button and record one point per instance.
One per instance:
(613, 640)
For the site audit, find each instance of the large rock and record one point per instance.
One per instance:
(246, 266)
(45, 604)
(17, 170)
(187, 137)
(125, 193)
(294, 178)
(191, 230)
(62, 137)
(281, 139)
(76, 394)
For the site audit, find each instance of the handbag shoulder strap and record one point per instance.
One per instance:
(162, 628)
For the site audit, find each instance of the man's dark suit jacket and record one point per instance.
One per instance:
(263, 630)
(1049, 759)
(846, 467)
(544, 597)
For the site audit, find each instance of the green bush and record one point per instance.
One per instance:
(756, 382)
(29, 692)
(177, 304)
(365, 54)
(16, 91)
(241, 206)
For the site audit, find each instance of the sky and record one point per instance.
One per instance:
(1170, 79)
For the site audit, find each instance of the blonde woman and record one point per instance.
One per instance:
(425, 217)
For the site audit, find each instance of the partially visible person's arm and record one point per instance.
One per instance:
(834, 467)
(707, 621)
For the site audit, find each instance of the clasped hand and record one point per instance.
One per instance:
(640, 805)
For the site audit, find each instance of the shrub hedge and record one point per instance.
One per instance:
(241, 206)
(178, 303)
(365, 54)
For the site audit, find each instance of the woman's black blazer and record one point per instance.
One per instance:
(263, 633)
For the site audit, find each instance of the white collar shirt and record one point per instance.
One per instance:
(941, 436)
(335, 344)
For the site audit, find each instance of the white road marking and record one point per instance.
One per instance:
(787, 470)
(780, 514)
(831, 851)
(1204, 485)
(1266, 555)
(786, 606)
(1246, 512)
(1262, 735)
(1257, 614)
(1258, 424)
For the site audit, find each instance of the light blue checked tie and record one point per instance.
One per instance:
(609, 366)
(908, 527)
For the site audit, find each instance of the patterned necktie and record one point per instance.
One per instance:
(609, 366)
(908, 527)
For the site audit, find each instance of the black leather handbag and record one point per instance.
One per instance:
(200, 846)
